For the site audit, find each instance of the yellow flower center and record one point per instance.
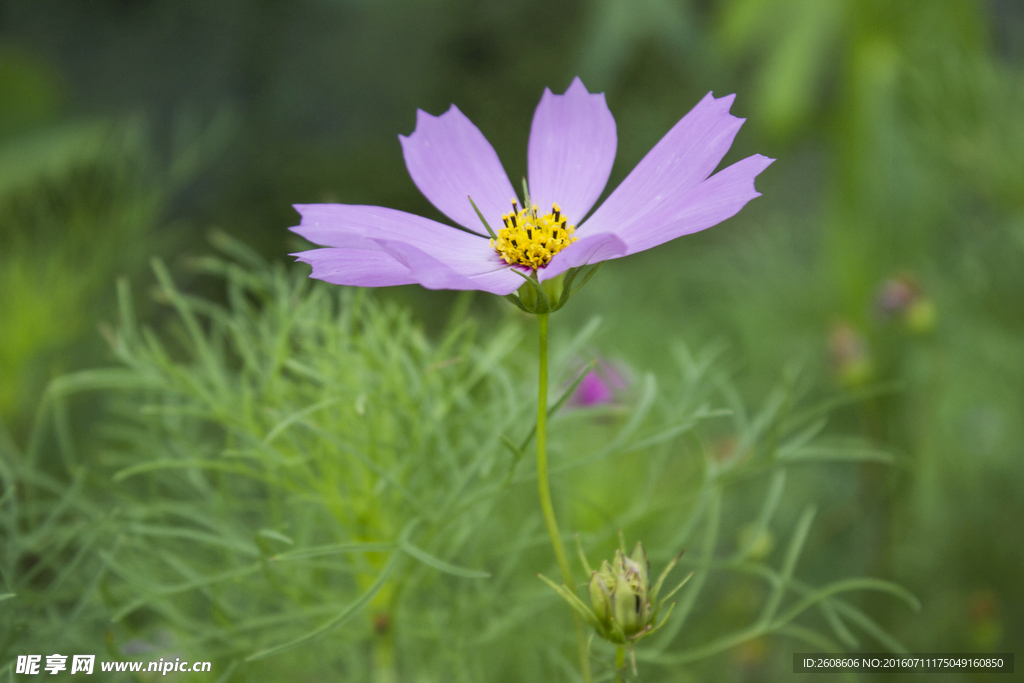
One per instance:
(531, 239)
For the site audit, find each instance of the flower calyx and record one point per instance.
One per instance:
(550, 295)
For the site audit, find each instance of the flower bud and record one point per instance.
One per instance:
(623, 605)
(903, 297)
(620, 593)
(920, 317)
(851, 359)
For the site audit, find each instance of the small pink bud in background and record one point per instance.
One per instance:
(903, 298)
(896, 295)
(985, 628)
(848, 350)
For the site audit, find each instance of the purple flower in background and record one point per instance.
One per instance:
(572, 145)
(599, 386)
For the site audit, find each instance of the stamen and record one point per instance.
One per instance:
(531, 239)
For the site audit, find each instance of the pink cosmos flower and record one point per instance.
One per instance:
(572, 145)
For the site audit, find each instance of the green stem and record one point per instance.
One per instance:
(620, 663)
(545, 492)
(384, 670)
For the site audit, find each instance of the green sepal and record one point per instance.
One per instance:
(515, 299)
(570, 275)
(600, 598)
(639, 557)
(574, 602)
(482, 219)
(616, 634)
(550, 295)
(625, 600)
(619, 563)
(654, 629)
(579, 545)
(532, 295)
(554, 288)
(536, 297)
(676, 589)
(586, 278)
(664, 575)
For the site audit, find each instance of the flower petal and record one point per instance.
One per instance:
(408, 248)
(571, 151)
(449, 159)
(679, 162)
(363, 227)
(435, 274)
(719, 197)
(399, 263)
(586, 250)
(355, 267)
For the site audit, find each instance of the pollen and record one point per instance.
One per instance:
(530, 238)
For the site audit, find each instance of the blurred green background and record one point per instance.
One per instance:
(885, 259)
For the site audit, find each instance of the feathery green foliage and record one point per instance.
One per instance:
(300, 480)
